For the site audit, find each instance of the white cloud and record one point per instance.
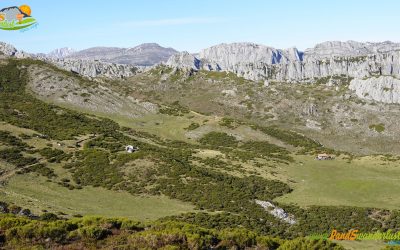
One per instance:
(170, 22)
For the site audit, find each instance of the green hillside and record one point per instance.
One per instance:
(194, 167)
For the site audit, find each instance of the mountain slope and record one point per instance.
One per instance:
(146, 54)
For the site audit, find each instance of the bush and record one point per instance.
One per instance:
(94, 232)
(174, 109)
(193, 126)
(49, 217)
(377, 127)
(219, 139)
(40, 169)
(8, 139)
(15, 157)
(229, 123)
(54, 155)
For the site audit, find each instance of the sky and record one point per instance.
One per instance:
(193, 25)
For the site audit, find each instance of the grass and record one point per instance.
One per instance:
(365, 182)
(38, 194)
(377, 127)
(365, 244)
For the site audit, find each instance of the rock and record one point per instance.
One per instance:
(276, 211)
(384, 89)
(266, 83)
(343, 59)
(25, 212)
(94, 68)
(61, 53)
(311, 110)
(7, 49)
(230, 92)
(85, 68)
(184, 60)
(10, 51)
(331, 82)
(313, 124)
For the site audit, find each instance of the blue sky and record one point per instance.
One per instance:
(193, 25)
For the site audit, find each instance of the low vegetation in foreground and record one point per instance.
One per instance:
(98, 232)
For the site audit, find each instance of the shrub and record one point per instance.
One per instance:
(219, 139)
(49, 217)
(174, 109)
(54, 155)
(377, 127)
(94, 232)
(193, 126)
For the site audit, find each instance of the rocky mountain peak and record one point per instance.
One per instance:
(145, 46)
(10, 51)
(184, 60)
(350, 49)
(252, 61)
(61, 52)
(229, 55)
(7, 49)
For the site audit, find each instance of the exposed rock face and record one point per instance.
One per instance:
(350, 59)
(61, 53)
(276, 211)
(229, 55)
(383, 89)
(11, 51)
(85, 68)
(147, 54)
(184, 60)
(249, 60)
(94, 68)
(310, 110)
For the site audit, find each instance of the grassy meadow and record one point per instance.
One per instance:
(365, 182)
(38, 194)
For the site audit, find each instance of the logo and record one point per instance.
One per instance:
(350, 235)
(390, 237)
(16, 18)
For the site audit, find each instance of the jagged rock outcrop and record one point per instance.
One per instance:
(84, 68)
(310, 110)
(10, 51)
(259, 62)
(251, 61)
(184, 60)
(229, 55)
(61, 53)
(94, 68)
(383, 89)
(276, 211)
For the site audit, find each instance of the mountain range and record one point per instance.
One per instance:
(146, 54)
(259, 62)
(333, 62)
